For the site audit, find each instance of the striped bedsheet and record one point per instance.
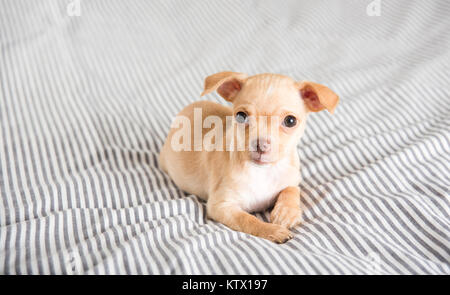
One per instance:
(88, 89)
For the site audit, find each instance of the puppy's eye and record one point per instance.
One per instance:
(290, 121)
(241, 117)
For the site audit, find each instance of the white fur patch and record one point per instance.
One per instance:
(263, 183)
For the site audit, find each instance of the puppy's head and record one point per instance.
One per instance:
(270, 110)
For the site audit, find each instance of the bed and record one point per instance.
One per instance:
(88, 90)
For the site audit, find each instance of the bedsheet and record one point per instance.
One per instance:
(88, 89)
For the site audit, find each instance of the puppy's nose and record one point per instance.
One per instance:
(261, 145)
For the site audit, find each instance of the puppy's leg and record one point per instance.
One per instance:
(286, 211)
(237, 219)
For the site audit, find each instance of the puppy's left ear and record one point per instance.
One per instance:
(318, 97)
(227, 84)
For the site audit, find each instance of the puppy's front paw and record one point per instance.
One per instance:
(286, 216)
(276, 233)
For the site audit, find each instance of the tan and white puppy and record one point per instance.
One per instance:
(269, 115)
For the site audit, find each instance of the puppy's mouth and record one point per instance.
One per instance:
(260, 158)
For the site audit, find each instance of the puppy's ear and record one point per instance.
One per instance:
(318, 97)
(227, 84)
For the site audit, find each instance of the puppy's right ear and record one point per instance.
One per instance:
(227, 84)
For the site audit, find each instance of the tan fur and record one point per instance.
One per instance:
(230, 181)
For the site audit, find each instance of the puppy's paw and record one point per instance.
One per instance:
(286, 216)
(276, 233)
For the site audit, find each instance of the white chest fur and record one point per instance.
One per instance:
(262, 184)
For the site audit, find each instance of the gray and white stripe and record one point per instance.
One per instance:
(86, 102)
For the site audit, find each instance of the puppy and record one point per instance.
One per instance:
(244, 159)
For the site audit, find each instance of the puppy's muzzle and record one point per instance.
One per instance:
(261, 145)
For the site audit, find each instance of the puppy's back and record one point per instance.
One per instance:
(187, 167)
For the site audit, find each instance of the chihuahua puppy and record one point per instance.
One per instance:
(268, 115)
